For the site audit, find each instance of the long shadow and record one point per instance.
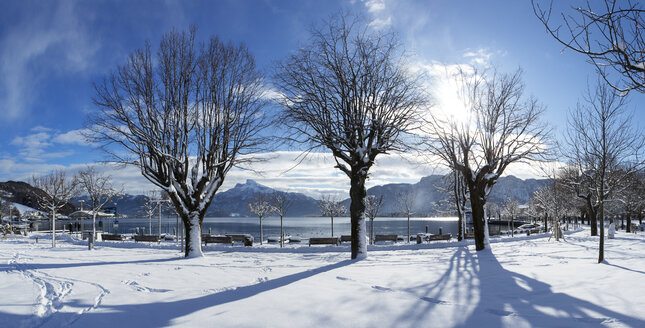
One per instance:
(508, 297)
(160, 314)
(461, 264)
(622, 267)
(38, 266)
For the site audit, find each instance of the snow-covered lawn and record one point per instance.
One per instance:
(528, 282)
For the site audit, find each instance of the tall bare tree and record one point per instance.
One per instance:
(185, 117)
(609, 33)
(511, 208)
(632, 198)
(261, 206)
(99, 190)
(605, 149)
(349, 92)
(372, 208)
(149, 207)
(57, 189)
(405, 202)
(455, 186)
(281, 204)
(502, 127)
(332, 207)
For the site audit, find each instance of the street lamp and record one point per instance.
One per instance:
(82, 217)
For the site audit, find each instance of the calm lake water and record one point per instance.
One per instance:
(303, 227)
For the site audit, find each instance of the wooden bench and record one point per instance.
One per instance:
(108, 236)
(439, 237)
(217, 240)
(393, 238)
(245, 238)
(469, 235)
(324, 241)
(148, 238)
(345, 238)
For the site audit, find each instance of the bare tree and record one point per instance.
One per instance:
(99, 189)
(502, 128)
(609, 33)
(261, 206)
(405, 202)
(57, 189)
(281, 204)
(511, 208)
(455, 186)
(149, 207)
(372, 207)
(604, 148)
(349, 92)
(632, 198)
(185, 118)
(332, 207)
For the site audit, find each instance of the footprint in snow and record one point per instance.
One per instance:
(381, 288)
(144, 289)
(433, 300)
(342, 278)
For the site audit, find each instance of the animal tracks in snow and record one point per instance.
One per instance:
(135, 285)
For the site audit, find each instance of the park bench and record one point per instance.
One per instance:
(217, 240)
(324, 241)
(148, 238)
(108, 236)
(439, 237)
(345, 238)
(393, 238)
(294, 240)
(245, 238)
(469, 235)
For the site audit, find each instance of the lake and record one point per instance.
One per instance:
(303, 227)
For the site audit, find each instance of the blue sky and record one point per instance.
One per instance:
(52, 51)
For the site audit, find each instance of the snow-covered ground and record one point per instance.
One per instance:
(526, 282)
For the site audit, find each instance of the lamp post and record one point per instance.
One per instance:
(159, 201)
(82, 217)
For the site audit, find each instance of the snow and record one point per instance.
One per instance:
(521, 282)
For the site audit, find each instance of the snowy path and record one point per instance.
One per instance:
(529, 282)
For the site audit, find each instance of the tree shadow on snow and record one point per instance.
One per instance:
(505, 298)
(160, 314)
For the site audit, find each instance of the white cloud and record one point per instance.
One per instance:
(479, 57)
(374, 6)
(71, 137)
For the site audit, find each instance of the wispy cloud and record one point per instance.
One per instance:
(51, 40)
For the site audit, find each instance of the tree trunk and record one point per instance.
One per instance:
(546, 223)
(408, 228)
(93, 229)
(192, 226)
(261, 235)
(593, 223)
(512, 225)
(53, 227)
(640, 218)
(332, 226)
(460, 232)
(281, 233)
(601, 247)
(477, 203)
(628, 227)
(371, 231)
(357, 195)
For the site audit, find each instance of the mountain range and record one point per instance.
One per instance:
(429, 197)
